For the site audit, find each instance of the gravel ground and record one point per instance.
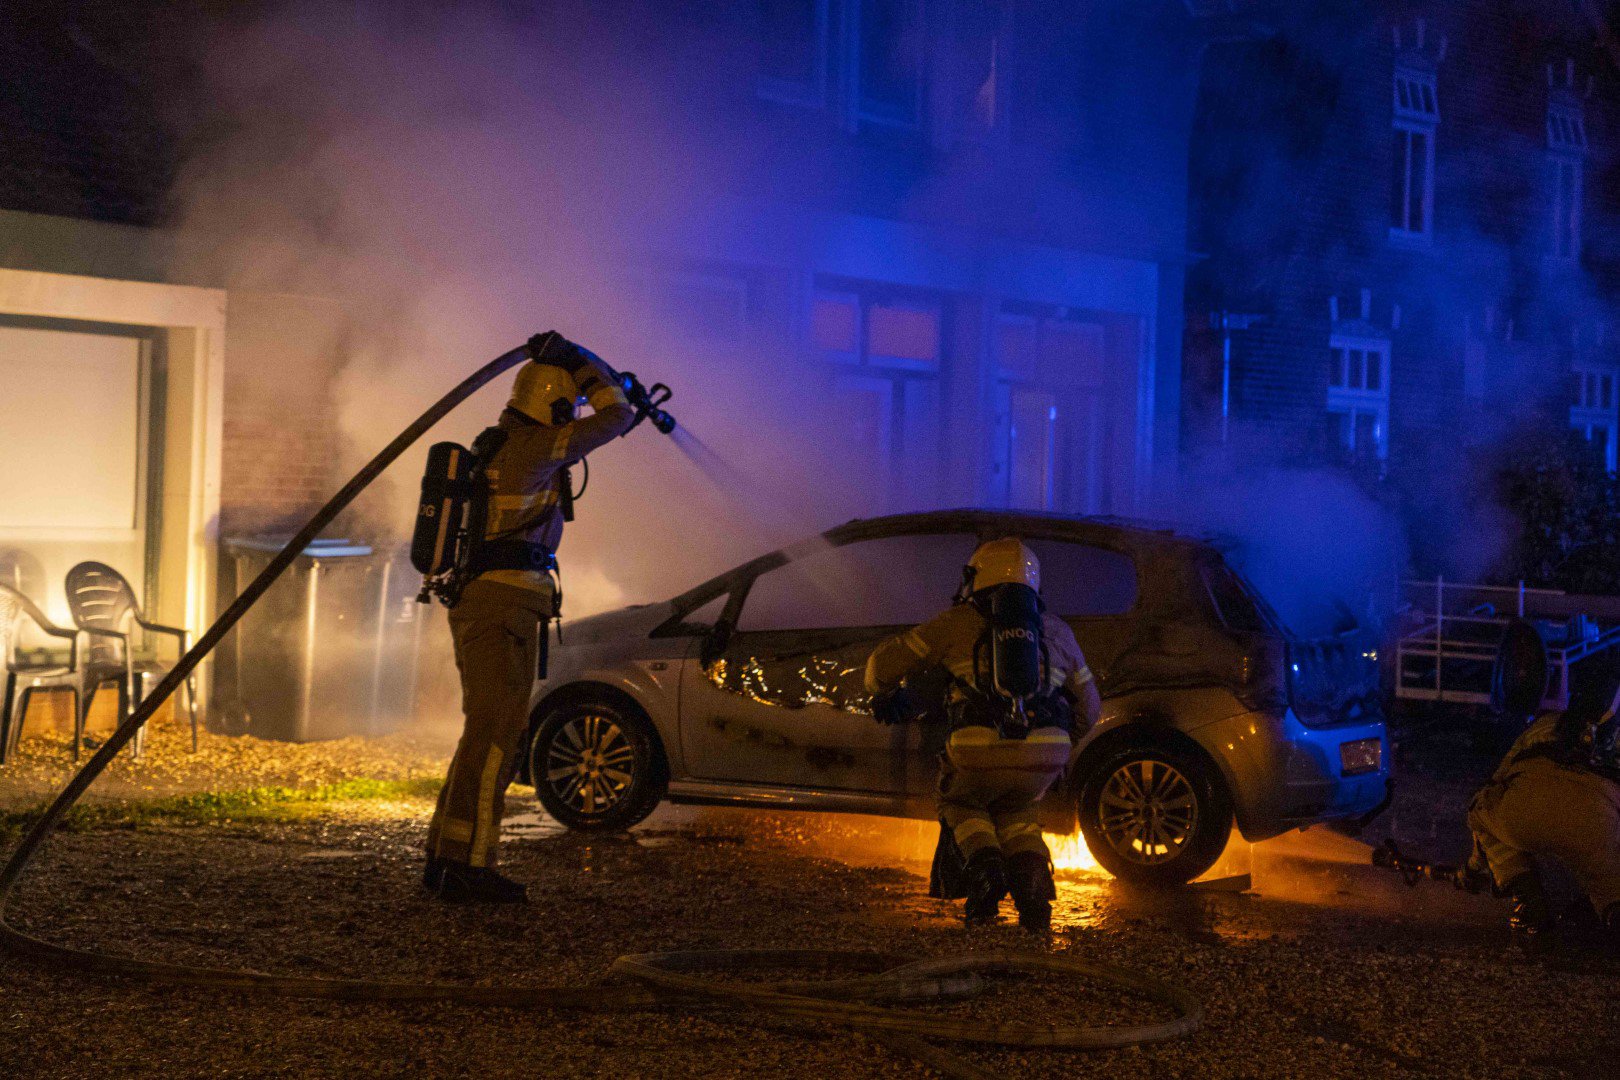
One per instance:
(1292, 987)
(1324, 968)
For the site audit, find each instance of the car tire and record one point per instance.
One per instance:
(597, 765)
(1171, 846)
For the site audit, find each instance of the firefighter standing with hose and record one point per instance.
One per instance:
(500, 613)
(1557, 794)
(1020, 696)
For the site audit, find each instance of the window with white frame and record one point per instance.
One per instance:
(1050, 436)
(1358, 395)
(887, 352)
(1416, 118)
(1594, 411)
(886, 51)
(1566, 128)
(1566, 145)
(793, 51)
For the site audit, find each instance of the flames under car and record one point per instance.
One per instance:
(747, 690)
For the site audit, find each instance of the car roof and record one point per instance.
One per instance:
(1115, 530)
(1127, 534)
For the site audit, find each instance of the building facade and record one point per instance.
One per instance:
(984, 257)
(967, 216)
(1403, 217)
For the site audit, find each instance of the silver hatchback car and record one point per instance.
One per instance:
(747, 690)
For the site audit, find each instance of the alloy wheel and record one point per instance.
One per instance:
(1148, 812)
(589, 763)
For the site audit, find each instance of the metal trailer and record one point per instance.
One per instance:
(1447, 649)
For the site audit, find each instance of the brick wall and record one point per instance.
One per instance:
(281, 431)
(1292, 160)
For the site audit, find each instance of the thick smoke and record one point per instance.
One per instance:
(1319, 549)
(460, 178)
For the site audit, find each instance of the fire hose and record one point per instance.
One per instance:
(1389, 856)
(862, 1003)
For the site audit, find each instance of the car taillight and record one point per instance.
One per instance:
(1360, 756)
(1259, 682)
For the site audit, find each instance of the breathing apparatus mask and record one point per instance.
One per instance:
(1588, 730)
(562, 376)
(1603, 734)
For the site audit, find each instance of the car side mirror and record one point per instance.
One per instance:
(715, 642)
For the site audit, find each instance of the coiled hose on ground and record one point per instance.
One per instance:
(864, 1002)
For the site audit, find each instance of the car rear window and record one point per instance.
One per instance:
(891, 581)
(1080, 580)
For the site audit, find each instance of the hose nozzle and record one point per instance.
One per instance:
(648, 401)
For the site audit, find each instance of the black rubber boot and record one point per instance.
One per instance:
(1530, 918)
(433, 873)
(1029, 878)
(463, 884)
(1610, 934)
(987, 884)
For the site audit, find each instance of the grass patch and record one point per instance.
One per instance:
(207, 807)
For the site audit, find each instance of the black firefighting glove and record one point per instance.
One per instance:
(552, 348)
(1470, 879)
(898, 706)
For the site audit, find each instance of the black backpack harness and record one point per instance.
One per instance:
(1011, 689)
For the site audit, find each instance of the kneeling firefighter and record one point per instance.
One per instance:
(501, 587)
(1557, 794)
(1020, 696)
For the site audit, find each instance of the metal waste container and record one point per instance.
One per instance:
(328, 651)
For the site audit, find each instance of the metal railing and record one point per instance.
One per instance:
(1447, 656)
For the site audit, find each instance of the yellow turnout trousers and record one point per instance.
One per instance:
(988, 787)
(1543, 808)
(496, 630)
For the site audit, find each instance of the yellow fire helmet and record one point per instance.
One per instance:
(1003, 562)
(545, 392)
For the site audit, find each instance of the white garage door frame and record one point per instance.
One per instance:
(192, 321)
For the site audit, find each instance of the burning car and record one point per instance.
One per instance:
(748, 690)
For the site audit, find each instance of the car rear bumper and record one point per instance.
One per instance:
(1285, 775)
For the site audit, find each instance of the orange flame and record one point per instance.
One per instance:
(1070, 853)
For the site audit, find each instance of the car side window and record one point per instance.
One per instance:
(890, 581)
(1234, 603)
(705, 615)
(1081, 580)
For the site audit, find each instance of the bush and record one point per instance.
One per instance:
(1566, 506)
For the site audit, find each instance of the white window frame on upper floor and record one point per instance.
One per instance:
(813, 93)
(1351, 396)
(1567, 148)
(1595, 407)
(1566, 127)
(1416, 112)
(858, 115)
(1568, 193)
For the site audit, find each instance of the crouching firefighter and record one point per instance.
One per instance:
(507, 499)
(1020, 696)
(1556, 794)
